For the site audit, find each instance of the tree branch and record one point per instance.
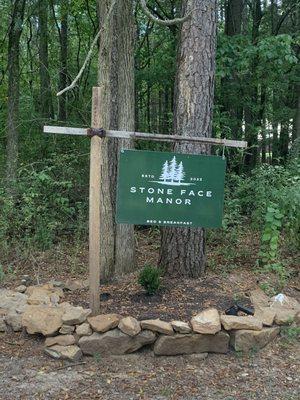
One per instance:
(90, 52)
(164, 22)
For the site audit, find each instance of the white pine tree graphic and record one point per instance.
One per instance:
(173, 169)
(179, 175)
(165, 172)
(173, 174)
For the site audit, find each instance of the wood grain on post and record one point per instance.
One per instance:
(94, 206)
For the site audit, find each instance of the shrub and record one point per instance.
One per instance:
(49, 205)
(149, 278)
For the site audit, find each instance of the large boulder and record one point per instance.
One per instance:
(62, 340)
(297, 319)
(114, 342)
(230, 322)
(44, 294)
(43, 319)
(11, 301)
(285, 316)
(70, 353)
(21, 288)
(67, 329)
(207, 322)
(282, 300)
(285, 307)
(83, 330)
(130, 326)
(265, 314)
(156, 325)
(14, 320)
(104, 322)
(246, 340)
(75, 315)
(73, 285)
(191, 344)
(259, 298)
(181, 327)
(2, 325)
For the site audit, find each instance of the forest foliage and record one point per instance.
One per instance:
(257, 98)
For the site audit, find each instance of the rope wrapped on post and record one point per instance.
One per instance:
(96, 132)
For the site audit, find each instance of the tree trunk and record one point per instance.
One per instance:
(233, 17)
(125, 244)
(263, 122)
(13, 95)
(116, 76)
(275, 143)
(230, 85)
(107, 237)
(165, 128)
(296, 122)
(46, 105)
(284, 141)
(251, 116)
(183, 249)
(63, 73)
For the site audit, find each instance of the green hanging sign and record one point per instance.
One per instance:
(170, 189)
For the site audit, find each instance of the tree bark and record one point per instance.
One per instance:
(251, 116)
(15, 30)
(183, 249)
(46, 105)
(63, 73)
(233, 17)
(230, 85)
(125, 260)
(284, 140)
(296, 122)
(275, 143)
(107, 239)
(116, 76)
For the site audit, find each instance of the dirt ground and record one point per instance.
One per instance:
(270, 374)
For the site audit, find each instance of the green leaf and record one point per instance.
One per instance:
(266, 237)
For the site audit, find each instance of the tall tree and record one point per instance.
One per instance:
(252, 108)
(15, 30)
(63, 72)
(116, 77)
(107, 238)
(296, 124)
(183, 249)
(230, 86)
(46, 105)
(233, 17)
(125, 243)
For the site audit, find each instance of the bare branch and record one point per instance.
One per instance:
(164, 22)
(90, 52)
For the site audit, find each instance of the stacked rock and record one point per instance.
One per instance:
(71, 331)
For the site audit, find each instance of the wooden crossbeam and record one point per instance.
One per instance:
(147, 136)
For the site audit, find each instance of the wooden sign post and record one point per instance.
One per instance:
(97, 133)
(94, 205)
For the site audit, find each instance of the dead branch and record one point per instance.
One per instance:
(164, 22)
(90, 52)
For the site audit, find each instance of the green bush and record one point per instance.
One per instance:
(249, 196)
(49, 205)
(149, 278)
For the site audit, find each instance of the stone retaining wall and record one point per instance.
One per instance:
(71, 331)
